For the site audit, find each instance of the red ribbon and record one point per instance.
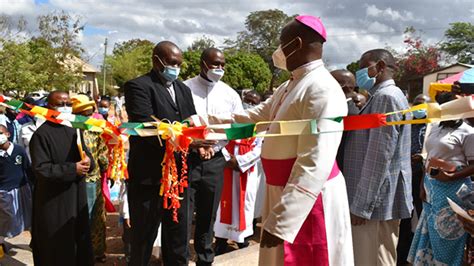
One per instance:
(365, 121)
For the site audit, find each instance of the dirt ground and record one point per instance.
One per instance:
(115, 253)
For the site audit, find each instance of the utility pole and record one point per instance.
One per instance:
(104, 67)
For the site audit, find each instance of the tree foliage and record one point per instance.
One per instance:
(246, 70)
(44, 61)
(16, 67)
(353, 67)
(201, 44)
(419, 58)
(11, 29)
(460, 42)
(130, 59)
(191, 64)
(261, 36)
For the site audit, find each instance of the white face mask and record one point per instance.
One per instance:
(215, 74)
(279, 59)
(3, 139)
(64, 109)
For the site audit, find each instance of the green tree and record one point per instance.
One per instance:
(246, 70)
(129, 60)
(261, 36)
(353, 67)
(46, 61)
(59, 35)
(11, 28)
(201, 44)
(460, 42)
(16, 67)
(130, 45)
(191, 64)
(62, 31)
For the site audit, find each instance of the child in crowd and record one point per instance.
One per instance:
(15, 190)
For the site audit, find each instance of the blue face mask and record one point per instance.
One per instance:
(103, 110)
(364, 81)
(170, 73)
(419, 114)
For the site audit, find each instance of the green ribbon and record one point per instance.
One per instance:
(240, 131)
(15, 103)
(132, 125)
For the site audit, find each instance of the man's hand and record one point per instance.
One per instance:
(83, 166)
(356, 220)
(269, 241)
(191, 123)
(127, 223)
(232, 163)
(202, 143)
(206, 153)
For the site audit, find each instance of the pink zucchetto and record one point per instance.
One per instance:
(314, 23)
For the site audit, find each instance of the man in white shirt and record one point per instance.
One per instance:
(206, 163)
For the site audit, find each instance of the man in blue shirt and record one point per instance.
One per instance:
(377, 166)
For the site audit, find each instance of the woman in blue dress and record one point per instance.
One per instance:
(440, 237)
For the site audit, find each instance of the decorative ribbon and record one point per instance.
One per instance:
(178, 136)
(245, 146)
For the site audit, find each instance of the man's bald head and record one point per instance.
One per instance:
(166, 53)
(209, 52)
(300, 44)
(163, 47)
(57, 99)
(380, 63)
(346, 79)
(380, 55)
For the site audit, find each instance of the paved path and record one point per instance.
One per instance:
(20, 254)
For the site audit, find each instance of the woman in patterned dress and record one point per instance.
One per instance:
(440, 237)
(82, 105)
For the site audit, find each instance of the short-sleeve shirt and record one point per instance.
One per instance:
(455, 146)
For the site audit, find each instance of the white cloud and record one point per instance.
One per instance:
(389, 13)
(352, 27)
(15, 7)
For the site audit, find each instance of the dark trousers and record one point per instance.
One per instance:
(406, 235)
(146, 214)
(206, 179)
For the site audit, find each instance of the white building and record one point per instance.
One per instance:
(443, 73)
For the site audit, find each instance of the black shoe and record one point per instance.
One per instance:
(221, 246)
(243, 245)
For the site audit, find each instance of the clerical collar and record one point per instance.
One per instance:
(306, 68)
(205, 82)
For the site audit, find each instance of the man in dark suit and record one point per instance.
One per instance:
(157, 93)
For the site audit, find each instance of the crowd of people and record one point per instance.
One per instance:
(337, 198)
